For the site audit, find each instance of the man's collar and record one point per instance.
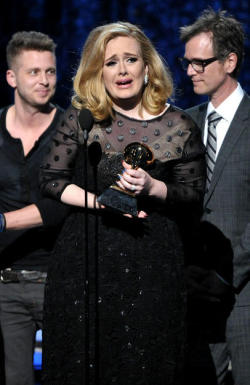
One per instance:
(229, 106)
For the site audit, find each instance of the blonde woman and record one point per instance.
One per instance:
(136, 308)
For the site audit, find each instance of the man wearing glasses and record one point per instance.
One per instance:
(213, 57)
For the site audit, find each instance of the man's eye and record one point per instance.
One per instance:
(197, 63)
(52, 72)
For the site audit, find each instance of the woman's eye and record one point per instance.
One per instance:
(132, 59)
(110, 63)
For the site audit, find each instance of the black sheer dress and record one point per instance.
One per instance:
(128, 327)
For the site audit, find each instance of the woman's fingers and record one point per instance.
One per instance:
(142, 214)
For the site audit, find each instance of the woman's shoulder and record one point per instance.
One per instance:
(182, 120)
(180, 114)
(180, 130)
(188, 129)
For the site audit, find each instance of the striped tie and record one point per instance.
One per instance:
(213, 119)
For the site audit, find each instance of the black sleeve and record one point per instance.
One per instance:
(58, 166)
(52, 212)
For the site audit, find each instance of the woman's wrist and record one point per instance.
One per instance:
(96, 205)
(158, 189)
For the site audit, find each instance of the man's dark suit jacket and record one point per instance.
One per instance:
(227, 203)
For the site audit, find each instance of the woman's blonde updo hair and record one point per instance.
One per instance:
(89, 89)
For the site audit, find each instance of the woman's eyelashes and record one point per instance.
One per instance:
(111, 63)
(132, 59)
(128, 60)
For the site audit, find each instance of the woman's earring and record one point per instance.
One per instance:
(146, 79)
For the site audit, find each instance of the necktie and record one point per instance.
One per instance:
(213, 119)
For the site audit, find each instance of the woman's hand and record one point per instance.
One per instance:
(140, 214)
(140, 182)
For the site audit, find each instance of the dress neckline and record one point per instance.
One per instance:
(144, 120)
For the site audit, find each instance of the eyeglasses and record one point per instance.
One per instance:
(197, 64)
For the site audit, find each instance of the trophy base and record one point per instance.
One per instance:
(119, 200)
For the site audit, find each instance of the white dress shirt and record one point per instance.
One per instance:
(226, 110)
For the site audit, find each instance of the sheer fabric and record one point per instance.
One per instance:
(137, 300)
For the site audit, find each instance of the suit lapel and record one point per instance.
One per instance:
(239, 123)
(200, 118)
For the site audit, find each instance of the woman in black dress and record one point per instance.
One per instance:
(118, 317)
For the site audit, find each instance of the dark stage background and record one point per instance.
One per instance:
(68, 22)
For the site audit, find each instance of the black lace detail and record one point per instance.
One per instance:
(136, 282)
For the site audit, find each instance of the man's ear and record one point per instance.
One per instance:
(231, 62)
(11, 78)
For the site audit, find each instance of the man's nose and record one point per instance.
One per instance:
(190, 70)
(44, 78)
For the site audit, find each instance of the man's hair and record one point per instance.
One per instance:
(227, 34)
(28, 41)
(89, 89)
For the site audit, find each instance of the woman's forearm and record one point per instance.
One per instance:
(75, 195)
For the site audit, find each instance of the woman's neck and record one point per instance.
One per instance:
(134, 112)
